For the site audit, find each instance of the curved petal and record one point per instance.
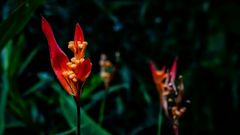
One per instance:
(78, 36)
(84, 70)
(57, 57)
(173, 70)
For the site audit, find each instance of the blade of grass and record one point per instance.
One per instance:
(26, 62)
(17, 51)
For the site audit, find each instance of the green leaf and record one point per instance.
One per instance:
(44, 79)
(90, 127)
(143, 89)
(3, 101)
(26, 62)
(68, 108)
(5, 55)
(17, 20)
(90, 86)
(17, 50)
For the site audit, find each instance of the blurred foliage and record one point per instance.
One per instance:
(203, 34)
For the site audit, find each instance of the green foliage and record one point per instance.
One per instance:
(17, 20)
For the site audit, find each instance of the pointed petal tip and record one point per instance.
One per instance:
(174, 69)
(78, 25)
(44, 21)
(174, 65)
(45, 26)
(151, 63)
(152, 66)
(78, 33)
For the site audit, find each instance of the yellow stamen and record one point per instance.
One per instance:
(69, 64)
(80, 46)
(81, 60)
(85, 43)
(78, 61)
(74, 79)
(71, 76)
(70, 72)
(65, 73)
(71, 46)
(73, 66)
(73, 60)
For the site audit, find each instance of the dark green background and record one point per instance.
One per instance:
(204, 35)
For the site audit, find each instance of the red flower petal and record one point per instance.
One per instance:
(57, 57)
(78, 36)
(84, 70)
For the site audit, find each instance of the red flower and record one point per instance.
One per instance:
(71, 74)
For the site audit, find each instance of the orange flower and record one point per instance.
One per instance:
(162, 78)
(164, 82)
(71, 74)
(106, 70)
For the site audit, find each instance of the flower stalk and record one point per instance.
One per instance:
(107, 71)
(77, 101)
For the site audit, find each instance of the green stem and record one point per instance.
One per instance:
(77, 101)
(159, 122)
(102, 109)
